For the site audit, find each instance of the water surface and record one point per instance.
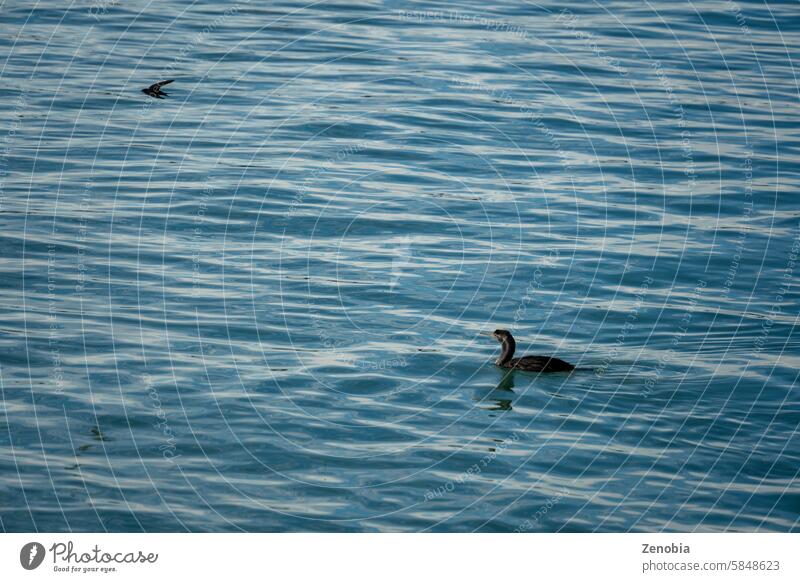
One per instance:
(257, 304)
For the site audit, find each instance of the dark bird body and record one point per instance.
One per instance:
(154, 90)
(527, 363)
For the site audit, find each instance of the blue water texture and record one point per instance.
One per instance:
(259, 303)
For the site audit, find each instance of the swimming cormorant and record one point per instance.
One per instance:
(528, 363)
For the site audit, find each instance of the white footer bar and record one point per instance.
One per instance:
(400, 557)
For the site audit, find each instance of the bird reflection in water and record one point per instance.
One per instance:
(502, 394)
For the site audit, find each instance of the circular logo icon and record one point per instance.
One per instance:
(31, 555)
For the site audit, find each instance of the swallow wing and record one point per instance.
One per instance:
(156, 87)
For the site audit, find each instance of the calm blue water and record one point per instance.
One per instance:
(257, 304)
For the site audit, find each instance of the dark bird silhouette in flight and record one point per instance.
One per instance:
(154, 90)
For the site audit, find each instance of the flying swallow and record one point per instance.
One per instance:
(154, 90)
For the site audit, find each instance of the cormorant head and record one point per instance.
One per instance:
(502, 335)
(508, 346)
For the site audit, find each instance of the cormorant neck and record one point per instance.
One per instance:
(509, 345)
